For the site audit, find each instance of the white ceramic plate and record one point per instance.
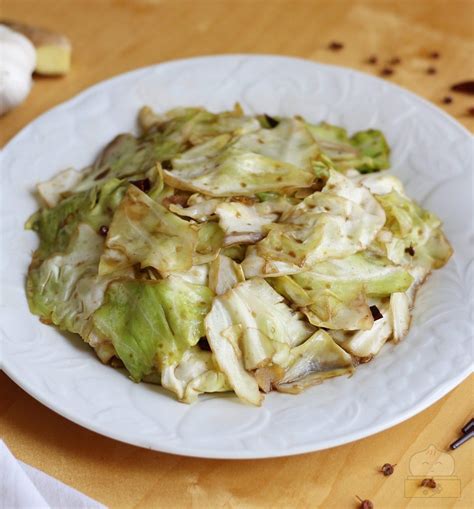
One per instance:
(431, 153)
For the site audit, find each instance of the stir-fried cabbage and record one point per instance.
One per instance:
(316, 359)
(194, 374)
(340, 220)
(144, 232)
(152, 323)
(365, 151)
(57, 225)
(66, 288)
(228, 252)
(364, 344)
(224, 274)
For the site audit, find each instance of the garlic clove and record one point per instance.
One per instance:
(17, 62)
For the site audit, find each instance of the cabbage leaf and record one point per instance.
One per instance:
(342, 219)
(152, 323)
(143, 231)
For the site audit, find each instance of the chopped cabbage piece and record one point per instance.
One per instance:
(201, 209)
(268, 326)
(400, 313)
(223, 338)
(366, 151)
(417, 236)
(236, 217)
(143, 231)
(318, 358)
(210, 239)
(375, 274)
(237, 173)
(196, 373)
(152, 323)
(365, 344)
(342, 219)
(255, 162)
(224, 274)
(52, 191)
(55, 226)
(197, 274)
(66, 289)
(256, 266)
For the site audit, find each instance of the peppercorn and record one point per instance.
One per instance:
(376, 314)
(336, 46)
(447, 100)
(103, 230)
(387, 469)
(142, 184)
(204, 345)
(272, 122)
(428, 483)
(386, 71)
(365, 504)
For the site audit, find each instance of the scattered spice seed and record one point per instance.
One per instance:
(376, 314)
(431, 70)
(428, 483)
(386, 71)
(470, 111)
(434, 55)
(272, 122)
(447, 100)
(204, 345)
(103, 230)
(465, 87)
(336, 46)
(394, 61)
(410, 251)
(115, 362)
(142, 184)
(387, 469)
(372, 60)
(365, 504)
(176, 199)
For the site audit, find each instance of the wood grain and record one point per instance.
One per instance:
(110, 37)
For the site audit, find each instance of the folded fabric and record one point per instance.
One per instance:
(25, 487)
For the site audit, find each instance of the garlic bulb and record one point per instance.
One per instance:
(17, 62)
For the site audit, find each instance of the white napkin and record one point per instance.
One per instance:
(25, 487)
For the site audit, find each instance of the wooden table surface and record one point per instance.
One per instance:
(111, 37)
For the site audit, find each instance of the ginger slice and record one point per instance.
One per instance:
(53, 50)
